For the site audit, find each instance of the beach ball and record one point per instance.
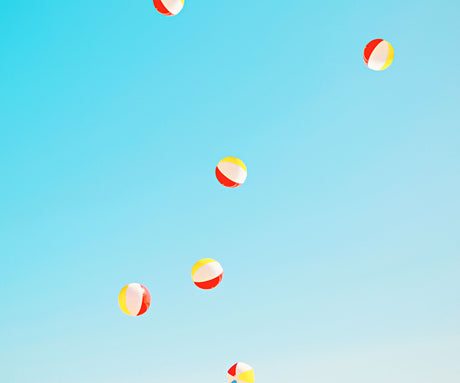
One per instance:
(134, 299)
(168, 7)
(241, 373)
(231, 172)
(207, 273)
(378, 54)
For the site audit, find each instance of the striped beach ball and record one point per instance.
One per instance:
(378, 54)
(231, 172)
(134, 299)
(207, 273)
(241, 373)
(168, 7)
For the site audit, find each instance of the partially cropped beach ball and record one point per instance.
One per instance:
(231, 172)
(207, 273)
(378, 54)
(168, 7)
(241, 373)
(134, 299)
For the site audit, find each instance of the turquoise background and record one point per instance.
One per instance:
(341, 250)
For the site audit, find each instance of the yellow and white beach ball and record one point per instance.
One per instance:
(241, 373)
(207, 273)
(168, 7)
(134, 299)
(378, 54)
(231, 172)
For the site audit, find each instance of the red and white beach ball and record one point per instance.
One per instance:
(207, 273)
(134, 299)
(231, 172)
(168, 7)
(241, 373)
(378, 54)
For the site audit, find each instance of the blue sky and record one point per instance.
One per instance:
(341, 250)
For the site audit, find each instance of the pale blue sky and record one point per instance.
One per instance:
(341, 250)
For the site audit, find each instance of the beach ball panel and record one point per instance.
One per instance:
(146, 299)
(241, 368)
(236, 380)
(173, 6)
(134, 296)
(233, 171)
(232, 370)
(391, 55)
(208, 271)
(207, 285)
(122, 300)
(224, 180)
(247, 376)
(200, 264)
(168, 7)
(379, 56)
(369, 48)
(235, 161)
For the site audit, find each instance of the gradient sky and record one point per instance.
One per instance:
(341, 251)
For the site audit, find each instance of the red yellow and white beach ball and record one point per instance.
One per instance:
(168, 7)
(134, 299)
(207, 273)
(231, 172)
(378, 54)
(241, 373)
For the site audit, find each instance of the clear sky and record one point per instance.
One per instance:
(341, 251)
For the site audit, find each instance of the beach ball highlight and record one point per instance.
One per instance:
(241, 373)
(168, 7)
(134, 299)
(231, 172)
(378, 54)
(207, 273)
